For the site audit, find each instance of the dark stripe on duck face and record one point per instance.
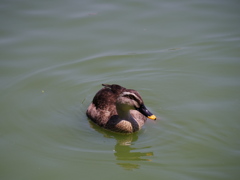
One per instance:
(133, 95)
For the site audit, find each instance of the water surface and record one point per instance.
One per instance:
(183, 58)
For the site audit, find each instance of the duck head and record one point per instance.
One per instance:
(131, 99)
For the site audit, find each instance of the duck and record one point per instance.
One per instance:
(118, 109)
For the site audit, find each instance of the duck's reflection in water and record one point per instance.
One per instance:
(125, 152)
(126, 155)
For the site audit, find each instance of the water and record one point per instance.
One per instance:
(183, 58)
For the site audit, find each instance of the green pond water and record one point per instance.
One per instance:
(182, 56)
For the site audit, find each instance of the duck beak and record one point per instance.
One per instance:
(142, 109)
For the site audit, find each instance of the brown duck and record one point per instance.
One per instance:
(118, 109)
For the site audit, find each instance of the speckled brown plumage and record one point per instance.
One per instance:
(103, 110)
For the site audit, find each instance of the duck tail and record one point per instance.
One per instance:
(107, 85)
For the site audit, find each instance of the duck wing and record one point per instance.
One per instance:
(105, 98)
(103, 106)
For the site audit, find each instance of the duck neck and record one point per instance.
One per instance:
(124, 112)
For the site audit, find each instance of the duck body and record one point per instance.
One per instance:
(118, 109)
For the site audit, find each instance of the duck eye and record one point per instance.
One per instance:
(131, 97)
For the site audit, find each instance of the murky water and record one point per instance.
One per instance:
(183, 58)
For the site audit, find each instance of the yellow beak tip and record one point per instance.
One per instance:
(153, 117)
